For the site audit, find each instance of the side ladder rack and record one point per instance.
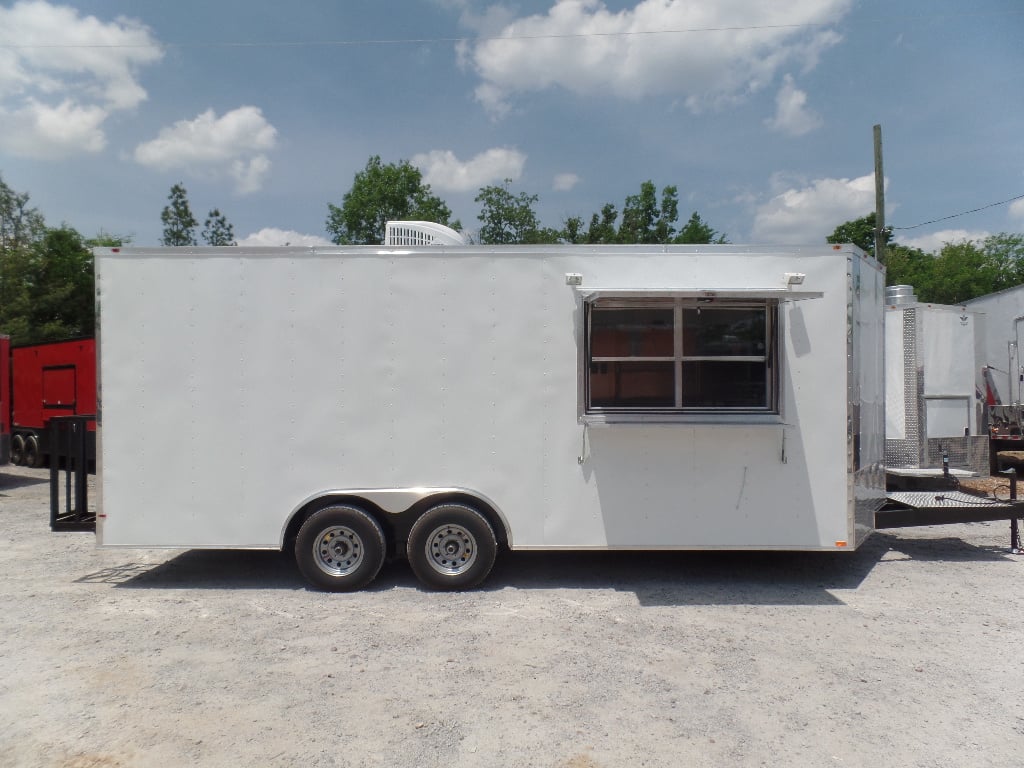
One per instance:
(69, 501)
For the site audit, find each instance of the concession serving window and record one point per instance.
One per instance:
(693, 352)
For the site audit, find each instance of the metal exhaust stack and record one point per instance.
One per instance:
(899, 294)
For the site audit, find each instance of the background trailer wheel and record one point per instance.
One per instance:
(451, 546)
(33, 454)
(18, 450)
(340, 548)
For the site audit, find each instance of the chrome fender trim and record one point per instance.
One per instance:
(394, 501)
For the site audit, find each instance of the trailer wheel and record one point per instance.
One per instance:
(451, 546)
(17, 450)
(33, 456)
(340, 548)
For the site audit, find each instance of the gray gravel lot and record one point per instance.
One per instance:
(907, 652)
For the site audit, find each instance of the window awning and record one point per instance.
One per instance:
(778, 294)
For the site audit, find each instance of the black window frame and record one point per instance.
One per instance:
(768, 405)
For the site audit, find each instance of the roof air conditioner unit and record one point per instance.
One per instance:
(405, 233)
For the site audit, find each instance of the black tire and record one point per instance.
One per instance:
(18, 450)
(451, 546)
(33, 456)
(340, 548)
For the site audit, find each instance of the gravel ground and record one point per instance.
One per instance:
(907, 652)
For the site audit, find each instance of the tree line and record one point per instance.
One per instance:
(46, 273)
(180, 225)
(383, 192)
(396, 191)
(958, 272)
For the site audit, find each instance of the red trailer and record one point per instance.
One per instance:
(5, 399)
(55, 379)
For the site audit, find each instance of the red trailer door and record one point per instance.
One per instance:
(59, 390)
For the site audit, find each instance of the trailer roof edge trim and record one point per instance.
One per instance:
(782, 294)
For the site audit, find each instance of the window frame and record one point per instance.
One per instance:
(769, 412)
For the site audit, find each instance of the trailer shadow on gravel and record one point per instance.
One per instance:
(9, 481)
(206, 569)
(729, 577)
(660, 578)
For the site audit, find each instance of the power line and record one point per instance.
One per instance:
(963, 213)
(494, 38)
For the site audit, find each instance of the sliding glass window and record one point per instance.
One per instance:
(681, 355)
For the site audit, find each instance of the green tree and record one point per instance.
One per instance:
(860, 232)
(644, 220)
(510, 219)
(960, 271)
(21, 227)
(698, 232)
(1005, 253)
(62, 293)
(381, 193)
(602, 226)
(104, 239)
(179, 223)
(572, 230)
(217, 230)
(46, 275)
(20, 223)
(905, 265)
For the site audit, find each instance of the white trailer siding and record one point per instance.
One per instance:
(238, 383)
(1000, 320)
(930, 388)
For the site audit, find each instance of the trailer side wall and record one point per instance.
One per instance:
(239, 383)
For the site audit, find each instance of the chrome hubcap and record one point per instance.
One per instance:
(451, 549)
(338, 550)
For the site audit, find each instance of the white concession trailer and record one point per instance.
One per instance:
(441, 402)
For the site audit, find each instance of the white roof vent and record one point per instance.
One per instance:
(403, 233)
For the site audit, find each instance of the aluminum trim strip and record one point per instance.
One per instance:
(780, 294)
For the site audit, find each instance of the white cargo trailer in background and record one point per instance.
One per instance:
(1000, 368)
(1001, 333)
(441, 402)
(932, 417)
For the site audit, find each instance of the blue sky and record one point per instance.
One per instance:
(760, 113)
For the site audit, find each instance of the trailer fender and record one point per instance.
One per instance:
(397, 509)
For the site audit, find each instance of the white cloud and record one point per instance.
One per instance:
(810, 213)
(62, 75)
(563, 182)
(1017, 210)
(273, 236)
(932, 243)
(41, 131)
(248, 173)
(792, 117)
(232, 145)
(445, 172)
(707, 53)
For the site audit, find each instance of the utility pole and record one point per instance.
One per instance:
(879, 196)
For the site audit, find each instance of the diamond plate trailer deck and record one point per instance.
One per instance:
(907, 509)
